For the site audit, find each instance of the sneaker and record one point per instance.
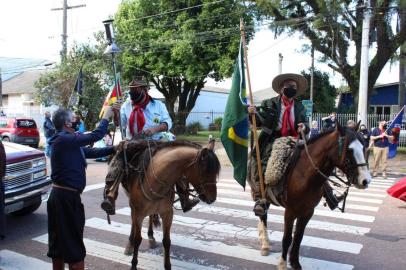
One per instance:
(108, 206)
(384, 175)
(188, 204)
(374, 174)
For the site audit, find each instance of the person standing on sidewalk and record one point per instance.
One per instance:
(66, 215)
(49, 131)
(380, 136)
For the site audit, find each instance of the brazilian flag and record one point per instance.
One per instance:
(234, 129)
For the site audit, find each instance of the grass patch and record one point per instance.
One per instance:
(201, 136)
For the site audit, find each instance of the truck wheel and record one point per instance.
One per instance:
(27, 210)
(6, 139)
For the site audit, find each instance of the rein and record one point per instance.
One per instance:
(327, 178)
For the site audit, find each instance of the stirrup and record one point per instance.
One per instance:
(108, 206)
(260, 208)
(187, 205)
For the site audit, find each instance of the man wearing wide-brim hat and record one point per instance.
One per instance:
(279, 116)
(146, 118)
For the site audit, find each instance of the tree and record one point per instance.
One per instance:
(324, 93)
(55, 87)
(331, 26)
(178, 51)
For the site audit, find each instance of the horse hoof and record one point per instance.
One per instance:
(295, 265)
(265, 251)
(129, 250)
(152, 244)
(282, 264)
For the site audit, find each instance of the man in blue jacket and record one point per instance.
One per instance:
(66, 216)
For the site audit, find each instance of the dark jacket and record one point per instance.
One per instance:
(68, 153)
(268, 116)
(49, 128)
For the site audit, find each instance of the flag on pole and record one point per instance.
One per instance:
(394, 129)
(74, 100)
(113, 95)
(234, 128)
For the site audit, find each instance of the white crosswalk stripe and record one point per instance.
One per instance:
(10, 260)
(212, 230)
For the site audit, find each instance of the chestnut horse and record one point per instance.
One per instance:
(306, 173)
(153, 169)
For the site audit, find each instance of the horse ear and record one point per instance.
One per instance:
(211, 143)
(357, 126)
(340, 128)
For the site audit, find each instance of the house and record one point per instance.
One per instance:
(384, 100)
(18, 91)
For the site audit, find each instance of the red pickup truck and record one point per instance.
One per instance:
(26, 182)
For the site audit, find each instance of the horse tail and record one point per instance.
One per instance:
(155, 220)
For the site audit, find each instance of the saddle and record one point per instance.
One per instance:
(276, 169)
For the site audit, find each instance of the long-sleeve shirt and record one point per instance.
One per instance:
(68, 155)
(49, 129)
(155, 114)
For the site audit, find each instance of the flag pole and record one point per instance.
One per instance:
(253, 119)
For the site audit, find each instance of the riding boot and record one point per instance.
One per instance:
(77, 266)
(331, 199)
(186, 203)
(108, 203)
(58, 264)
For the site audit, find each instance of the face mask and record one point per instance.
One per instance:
(136, 97)
(289, 92)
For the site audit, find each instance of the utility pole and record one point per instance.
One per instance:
(280, 63)
(312, 76)
(65, 26)
(363, 80)
(402, 59)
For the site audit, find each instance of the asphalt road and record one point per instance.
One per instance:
(369, 235)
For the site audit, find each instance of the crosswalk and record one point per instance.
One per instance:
(224, 235)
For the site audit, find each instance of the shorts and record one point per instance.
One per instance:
(66, 221)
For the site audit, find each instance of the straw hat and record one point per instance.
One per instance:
(301, 81)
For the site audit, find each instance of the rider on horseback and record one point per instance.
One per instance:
(143, 117)
(278, 117)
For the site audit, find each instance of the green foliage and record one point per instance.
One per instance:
(334, 26)
(324, 94)
(193, 128)
(218, 122)
(56, 86)
(178, 51)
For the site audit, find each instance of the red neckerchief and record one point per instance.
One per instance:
(288, 127)
(139, 113)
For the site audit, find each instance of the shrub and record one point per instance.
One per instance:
(218, 121)
(193, 128)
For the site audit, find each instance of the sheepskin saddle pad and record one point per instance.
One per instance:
(282, 150)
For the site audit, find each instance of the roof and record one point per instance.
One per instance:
(215, 89)
(264, 94)
(11, 67)
(22, 83)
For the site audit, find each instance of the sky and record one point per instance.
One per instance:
(29, 29)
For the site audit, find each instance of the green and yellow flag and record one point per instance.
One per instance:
(234, 128)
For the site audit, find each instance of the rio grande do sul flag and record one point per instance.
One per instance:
(113, 95)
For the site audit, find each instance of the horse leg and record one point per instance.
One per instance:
(129, 249)
(297, 239)
(263, 235)
(287, 238)
(166, 241)
(151, 239)
(136, 227)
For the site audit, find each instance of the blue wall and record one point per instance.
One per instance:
(209, 106)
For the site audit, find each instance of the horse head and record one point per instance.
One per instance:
(204, 174)
(351, 157)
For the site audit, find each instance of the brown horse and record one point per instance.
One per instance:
(153, 169)
(305, 177)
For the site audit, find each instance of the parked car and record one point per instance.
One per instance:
(26, 182)
(19, 130)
